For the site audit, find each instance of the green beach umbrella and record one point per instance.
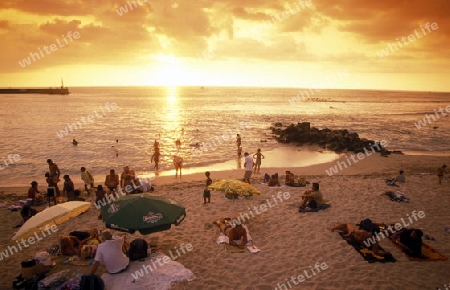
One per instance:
(142, 212)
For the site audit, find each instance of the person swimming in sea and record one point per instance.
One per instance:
(74, 142)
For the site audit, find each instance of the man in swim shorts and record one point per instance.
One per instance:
(234, 232)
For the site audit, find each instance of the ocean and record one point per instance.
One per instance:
(117, 126)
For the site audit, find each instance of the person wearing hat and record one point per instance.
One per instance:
(109, 253)
(33, 191)
(68, 188)
(312, 198)
(440, 173)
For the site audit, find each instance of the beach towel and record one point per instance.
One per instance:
(397, 196)
(308, 209)
(154, 276)
(429, 253)
(74, 261)
(233, 249)
(367, 253)
(265, 184)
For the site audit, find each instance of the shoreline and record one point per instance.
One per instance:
(370, 165)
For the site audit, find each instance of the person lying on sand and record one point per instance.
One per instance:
(360, 236)
(411, 241)
(233, 233)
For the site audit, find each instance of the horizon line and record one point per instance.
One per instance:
(235, 86)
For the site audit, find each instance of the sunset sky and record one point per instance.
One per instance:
(227, 43)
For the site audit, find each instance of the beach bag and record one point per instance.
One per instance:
(43, 258)
(138, 249)
(302, 181)
(55, 279)
(91, 282)
(31, 267)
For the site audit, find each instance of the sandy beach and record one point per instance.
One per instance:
(291, 243)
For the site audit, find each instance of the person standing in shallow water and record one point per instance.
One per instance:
(155, 157)
(178, 163)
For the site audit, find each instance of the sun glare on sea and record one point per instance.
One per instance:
(172, 94)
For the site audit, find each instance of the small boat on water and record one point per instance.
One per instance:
(49, 91)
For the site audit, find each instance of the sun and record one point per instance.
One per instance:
(170, 70)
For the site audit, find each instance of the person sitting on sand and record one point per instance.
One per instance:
(266, 177)
(401, 177)
(69, 245)
(127, 176)
(273, 181)
(110, 254)
(312, 198)
(33, 191)
(68, 188)
(77, 196)
(100, 197)
(411, 241)
(89, 243)
(290, 180)
(360, 236)
(111, 181)
(233, 233)
(26, 213)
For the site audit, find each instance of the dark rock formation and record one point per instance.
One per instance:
(334, 140)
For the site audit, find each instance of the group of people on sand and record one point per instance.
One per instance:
(53, 193)
(410, 240)
(106, 249)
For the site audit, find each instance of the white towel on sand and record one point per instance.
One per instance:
(155, 277)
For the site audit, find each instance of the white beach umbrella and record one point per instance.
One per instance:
(51, 216)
